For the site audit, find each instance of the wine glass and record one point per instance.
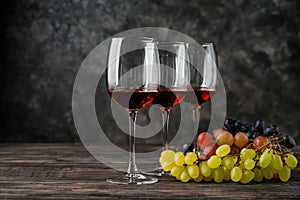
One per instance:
(203, 79)
(173, 72)
(132, 82)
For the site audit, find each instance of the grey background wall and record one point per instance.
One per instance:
(44, 42)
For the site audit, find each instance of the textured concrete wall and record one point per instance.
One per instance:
(44, 43)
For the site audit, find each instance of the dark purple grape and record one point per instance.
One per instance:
(259, 126)
(244, 128)
(250, 135)
(276, 129)
(255, 134)
(247, 128)
(289, 141)
(230, 121)
(250, 127)
(280, 138)
(271, 130)
(238, 125)
(229, 125)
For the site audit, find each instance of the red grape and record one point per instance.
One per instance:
(240, 139)
(210, 150)
(224, 137)
(204, 139)
(258, 142)
(234, 150)
(276, 175)
(217, 132)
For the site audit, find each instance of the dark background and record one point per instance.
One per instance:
(44, 42)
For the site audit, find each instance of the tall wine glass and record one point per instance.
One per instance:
(132, 82)
(173, 72)
(203, 79)
(173, 84)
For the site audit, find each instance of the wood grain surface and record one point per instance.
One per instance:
(68, 171)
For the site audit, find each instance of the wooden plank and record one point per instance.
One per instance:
(68, 171)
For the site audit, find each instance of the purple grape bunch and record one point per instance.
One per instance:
(258, 129)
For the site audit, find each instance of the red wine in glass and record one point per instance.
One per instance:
(202, 95)
(133, 99)
(169, 98)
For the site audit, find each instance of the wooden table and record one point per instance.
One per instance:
(68, 171)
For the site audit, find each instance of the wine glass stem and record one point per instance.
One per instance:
(165, 117)
(132, 169)
(196, 116)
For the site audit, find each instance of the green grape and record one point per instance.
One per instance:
(218, 174)
(258, 175)
(204, 169)
(167, 156)
(167, 166)
(243, 151)
(251, 154)
(161, 160)
(247, 154)
(199, 178)
(190, 158)
(176, 170)
(193, 170)
(223, 150)
(275, 171)
(214, 162)
(276, 162)
(247, 176)
(291, 161)
(179, 158)
(226, 173)
(266, 158)
(249, 164)
(241, 164)
(228, 162)
(267, 172)
(184, 176)
(284, 173)
(257, 164)
(209, 178)
(236, 174)
(235, 159)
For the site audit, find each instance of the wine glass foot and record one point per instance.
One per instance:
(156, 172)
(134, 179)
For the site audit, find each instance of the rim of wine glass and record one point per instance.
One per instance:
(165, 44)
(170, 42)
(200, 44)
(207, 43)
(136, 39)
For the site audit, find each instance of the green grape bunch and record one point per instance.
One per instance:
(250, 164)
